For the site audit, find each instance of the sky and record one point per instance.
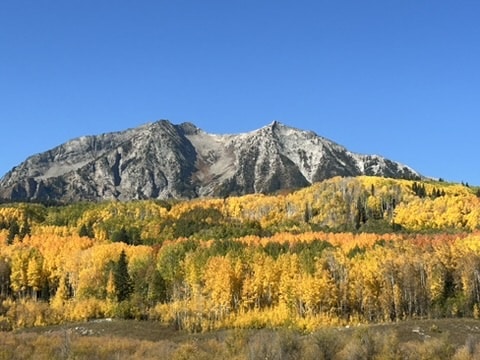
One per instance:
(397, 78)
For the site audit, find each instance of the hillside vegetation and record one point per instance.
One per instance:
(343, 251)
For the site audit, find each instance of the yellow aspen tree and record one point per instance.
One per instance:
(218, 279)
(318, 291)
(339, 267)
(194, 268)
(62, 295)
(414, 272)
(310, 294)
(237, 283)
(367, 284)
(289, 279)
(473, 218)
(260, 288)
(469, 269)
(110, 288)
(391, 295)
(18, 275)
(35, 279)
(374, 206)
(440, 282)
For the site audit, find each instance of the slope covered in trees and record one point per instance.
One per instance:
(346, 250)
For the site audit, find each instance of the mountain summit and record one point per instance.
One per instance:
(162, 160)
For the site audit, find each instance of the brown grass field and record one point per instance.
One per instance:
(129, 339)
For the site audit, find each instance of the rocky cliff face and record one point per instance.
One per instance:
(162, 160)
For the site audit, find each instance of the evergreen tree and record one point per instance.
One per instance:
(122, 281)
(307, 214)
(5, 272)
(12, 232)
(415, 188)
(121, 236)
(157, 288)
(86, 230)
(421, 191)
(360, 214)
(25, 230)
(436, 193)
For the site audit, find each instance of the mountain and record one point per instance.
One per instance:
(162, 160)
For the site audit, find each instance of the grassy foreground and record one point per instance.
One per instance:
(128, 339)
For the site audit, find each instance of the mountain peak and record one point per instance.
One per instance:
(275, 123)
(273, 128)
(161, 160)
(189, 128)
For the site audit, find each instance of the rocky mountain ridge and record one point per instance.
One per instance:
(162, 160)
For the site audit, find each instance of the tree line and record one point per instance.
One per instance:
(342, 251)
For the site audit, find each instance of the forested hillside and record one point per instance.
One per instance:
(342, 251)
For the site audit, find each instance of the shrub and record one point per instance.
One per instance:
(327, 343)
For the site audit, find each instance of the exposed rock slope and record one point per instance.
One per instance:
(162, 160)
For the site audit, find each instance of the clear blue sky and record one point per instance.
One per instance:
(398, 78)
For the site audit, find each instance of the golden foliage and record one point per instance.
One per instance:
(250, 261)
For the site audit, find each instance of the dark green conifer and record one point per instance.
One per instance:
(121, 235)
(13, 231)
(25, 229)
(122, 280)
(86, 230)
